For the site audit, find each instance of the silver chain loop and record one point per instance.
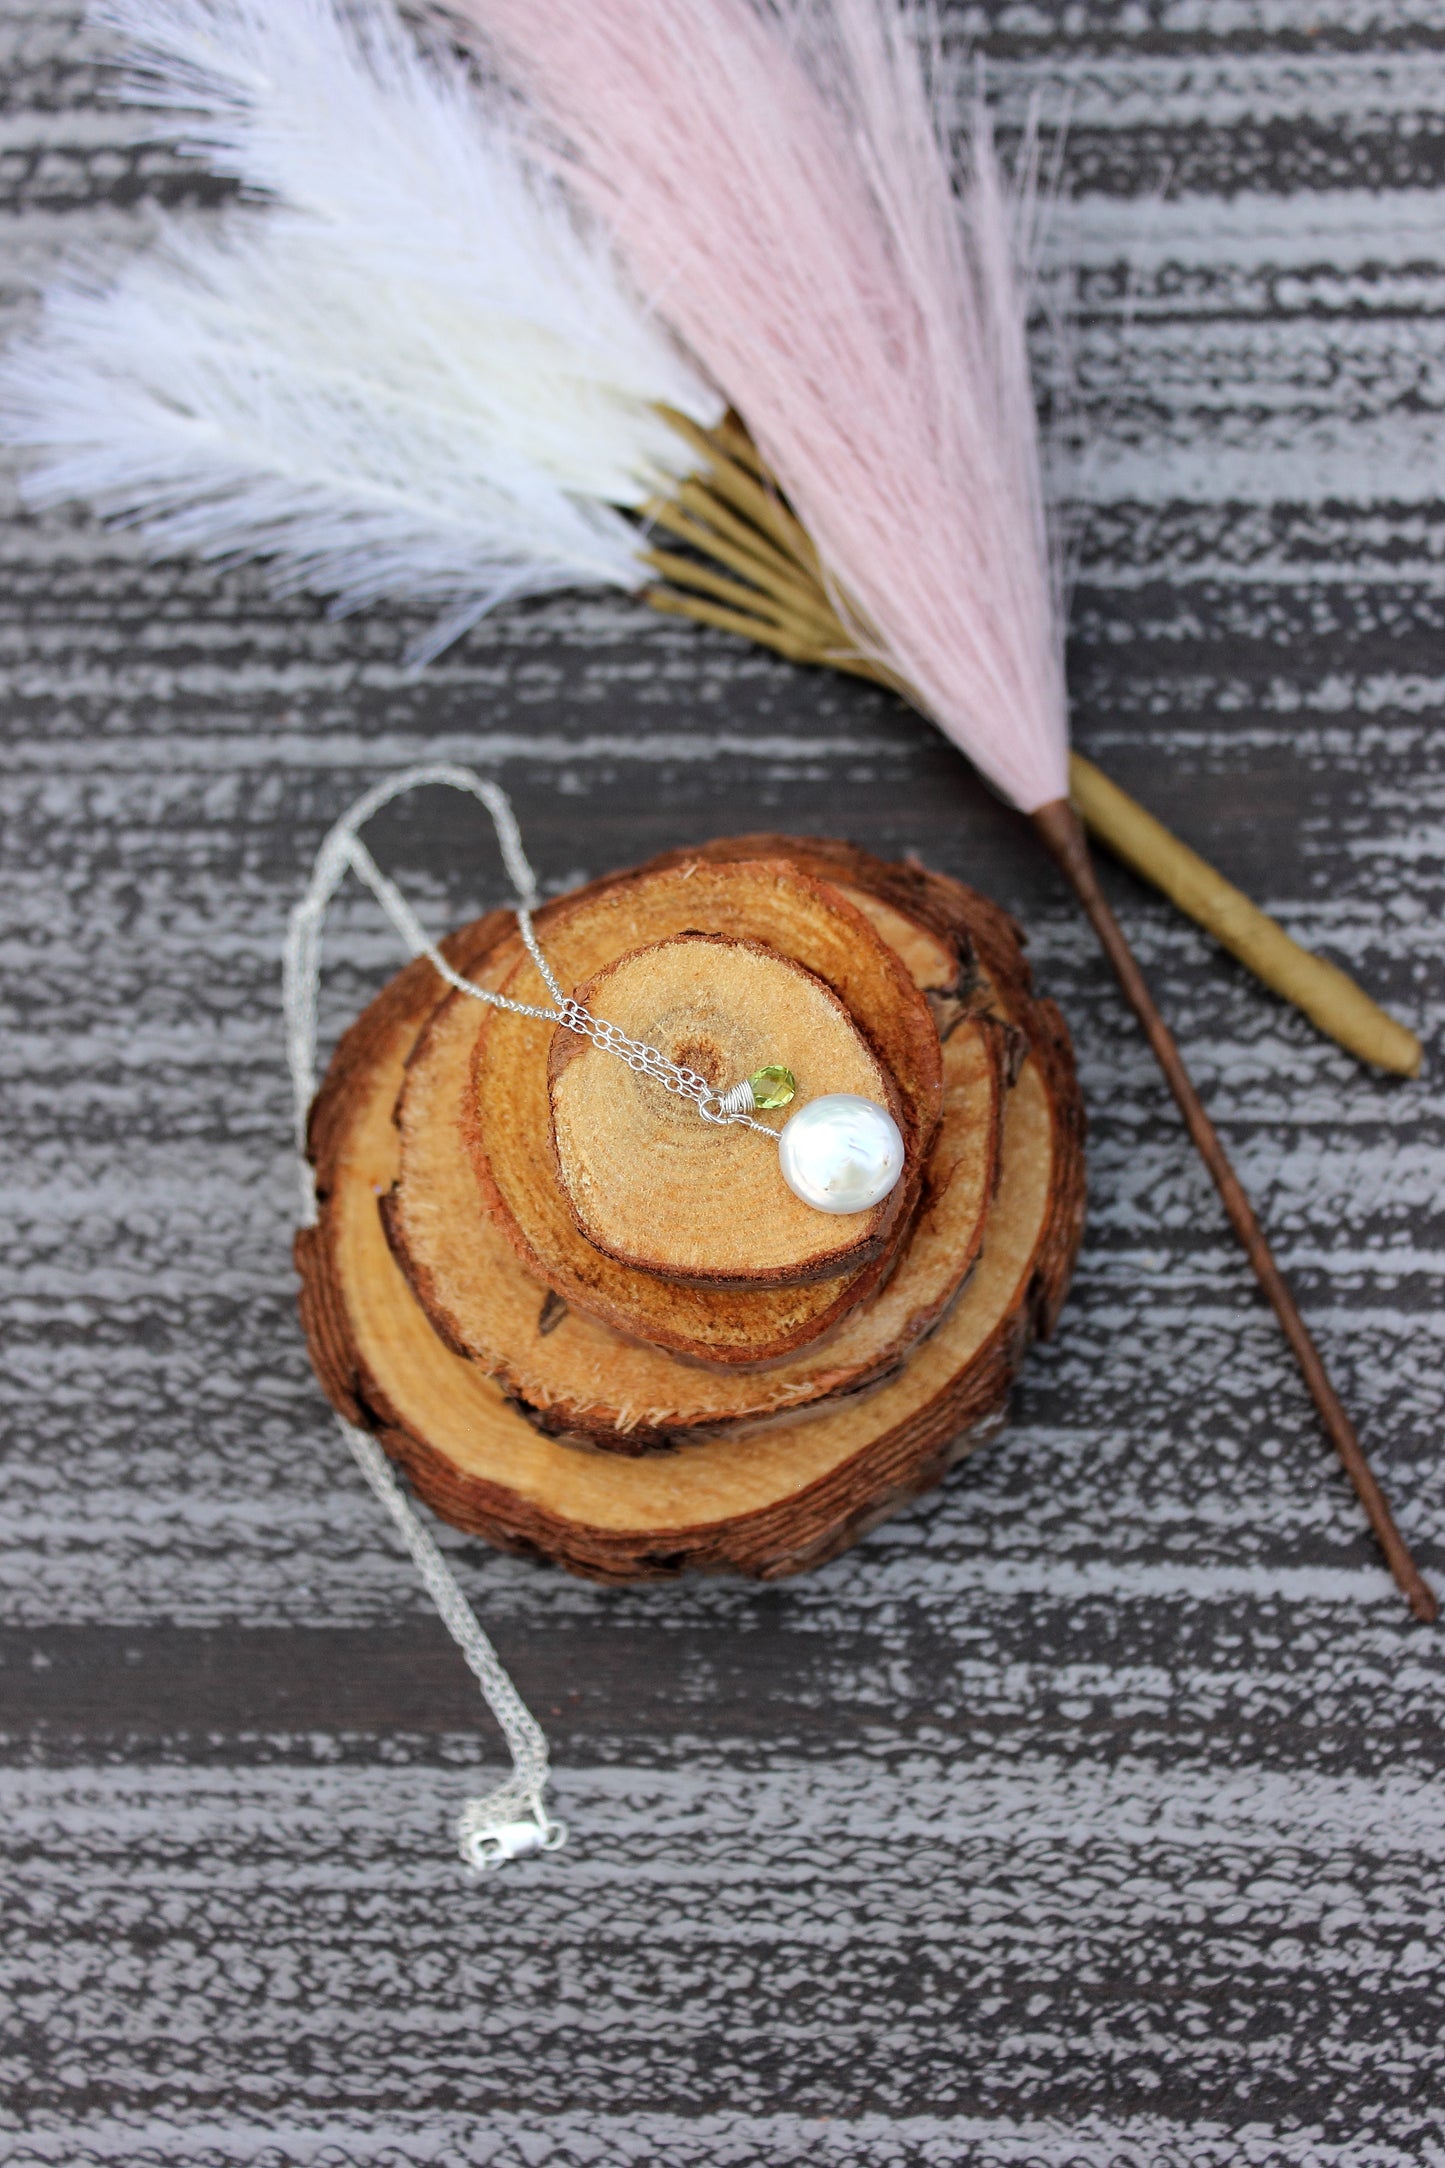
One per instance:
(512, 1820)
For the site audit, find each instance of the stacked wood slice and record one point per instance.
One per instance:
(599, 1330)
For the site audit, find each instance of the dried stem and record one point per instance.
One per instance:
(738, 445)
(1062, 833)
(759, 500)
(792, 645)
(685, 573)
(698, 519)
(703, 500)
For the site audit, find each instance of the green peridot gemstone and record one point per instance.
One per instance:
(772, 1087)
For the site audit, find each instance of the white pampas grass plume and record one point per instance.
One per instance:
(776, 172)
(416, 374)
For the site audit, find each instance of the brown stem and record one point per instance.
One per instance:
(1063, 833)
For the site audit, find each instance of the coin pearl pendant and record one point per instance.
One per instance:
(841, 1153)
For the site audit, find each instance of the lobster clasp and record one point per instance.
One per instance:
(485, 1847)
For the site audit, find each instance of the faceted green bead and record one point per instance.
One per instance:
(772, 1087)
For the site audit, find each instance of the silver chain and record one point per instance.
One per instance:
(734, 1105)
(511, 1820)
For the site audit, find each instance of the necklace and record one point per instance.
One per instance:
(513, 1820)
(839, 1152)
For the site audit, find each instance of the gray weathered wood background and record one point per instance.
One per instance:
(1092, 1811)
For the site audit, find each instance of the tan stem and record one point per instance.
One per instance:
(696, 518)
(792, 645)
(1327, 995)
(785, 631)
(731, 438)
(1062, 832)
(684, 573)
(813, 637)
(702, 499)
(758, 501)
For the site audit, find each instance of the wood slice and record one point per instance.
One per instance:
(576, 1377)
(767, 1502)
(510, 1117)
(652, 1184)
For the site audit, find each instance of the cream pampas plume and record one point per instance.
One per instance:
(774, 169)
(418, 374)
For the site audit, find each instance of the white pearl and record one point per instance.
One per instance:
(841, 1153)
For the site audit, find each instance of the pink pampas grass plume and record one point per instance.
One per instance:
(780, 192)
